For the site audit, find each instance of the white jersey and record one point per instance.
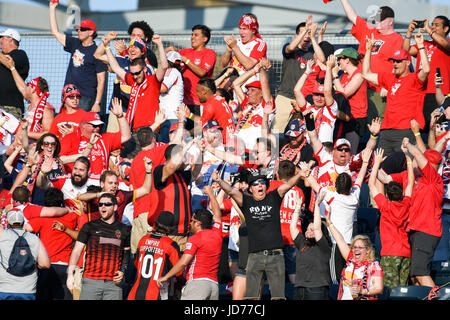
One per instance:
(169, 101)
(71, 192)
(325, 118)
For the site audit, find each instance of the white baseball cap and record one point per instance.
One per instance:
(173, 56)
(13, 33)
(15, 216)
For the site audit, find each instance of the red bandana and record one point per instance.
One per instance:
(251, 23)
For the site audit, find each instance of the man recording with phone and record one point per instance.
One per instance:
(438, 51)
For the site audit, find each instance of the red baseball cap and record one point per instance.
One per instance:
(254, 84)
(401, 54)
(318, 89)
(86, 23)
(92, 118)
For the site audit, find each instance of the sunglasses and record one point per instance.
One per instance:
(46, 143)
(74, 97)
(136, 73)
(258, 182)
(83, 29)
(343, 149)
(396, 61)
(105, 204)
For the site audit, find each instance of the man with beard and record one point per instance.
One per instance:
(265, 241)
(72, 185)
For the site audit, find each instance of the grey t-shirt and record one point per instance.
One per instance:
(294, 64)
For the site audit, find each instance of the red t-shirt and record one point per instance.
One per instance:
(147, 100)
(57, 243)
(393, 222)
(149, 202)
(358, 101)
(383, 49)
(438, 58)
(205, 246)
(99, 157)
(310, 82)
(404, 100)
(216, 108)
(426, 204)
(205, 59)
(287, 209)
(63, 118)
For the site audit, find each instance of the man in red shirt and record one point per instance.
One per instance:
(198, 62)
(70, 114)
(145, 88)
(425, 222)
(91, 124)
(406, 91)
(202, 254)
(438, 51)
(215, 108)
(387, 41)
(51, 283)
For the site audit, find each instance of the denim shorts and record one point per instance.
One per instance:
(270, 262)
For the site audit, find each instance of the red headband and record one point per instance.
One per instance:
(251, 23)
(34, 84)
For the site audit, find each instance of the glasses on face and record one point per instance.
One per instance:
(72, 97)
(83, 29)
(258, 182)
(48, 143)
(343, 149)
(396, 61)
(105, 204)
(134, 74)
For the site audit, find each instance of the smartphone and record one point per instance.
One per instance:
(420, 23)
(438, 72)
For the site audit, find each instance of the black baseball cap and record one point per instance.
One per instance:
(166, 218)
(386, 12)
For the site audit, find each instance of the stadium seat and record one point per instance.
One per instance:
(443, 294)
(440, 272)
(409, 293)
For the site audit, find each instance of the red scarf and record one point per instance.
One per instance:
(134, 94)
(35, 125)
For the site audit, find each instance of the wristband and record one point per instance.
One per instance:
(191, 115)
(187, 62)
(121, 116)
(366, 162)
(97, 102)
(422, 48)
(410, 37)
(107, 48)
(330, 225)
(148, 172)
(431, 34)
(12, 69)
(417, 134)
(91, 144)
(373, 137)
(408, 162)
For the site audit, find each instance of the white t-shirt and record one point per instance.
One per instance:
(343, 210)
(325, 118)
(170, 100)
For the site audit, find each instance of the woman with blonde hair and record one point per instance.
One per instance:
(362, 277)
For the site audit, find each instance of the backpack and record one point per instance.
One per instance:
(21, 261)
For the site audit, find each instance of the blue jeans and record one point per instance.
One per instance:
(17, 296)
(86, 103)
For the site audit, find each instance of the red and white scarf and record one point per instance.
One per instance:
(134, 94)
(35, 125)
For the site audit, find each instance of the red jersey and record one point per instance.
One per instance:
(205, 59)
(57, 243)
(144, 101)
(383, 49)
(255, 48)
(358, 101)
(149, 202)
(64, 118)
(157, 255)
(99, 157)
(216, 108)
(393, 222)
(205, 246)
(287, 209)
(426, 204)
(438, 58)
(404, 100)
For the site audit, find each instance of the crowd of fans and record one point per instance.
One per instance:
(196, 180)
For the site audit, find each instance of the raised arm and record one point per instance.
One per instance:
(294, 220)
(146, 187)
(425, 63)
(112, 61)
(378, 159)
(349, 11)
(328, 83)
(415, 128)
(317, 49)
(239, 81)
(61, 37)
(163, 64)
(245, 61)
(298, 37)
(366, 70)
(235, 194)
(299, 97)
(213, 204)
(365, 155)
(416, 153)
(124, 126)
(285, 187)
(317, 222)
(315, 142)
(344, 248)
(409, 166)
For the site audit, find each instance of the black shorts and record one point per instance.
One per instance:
(423, 246)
